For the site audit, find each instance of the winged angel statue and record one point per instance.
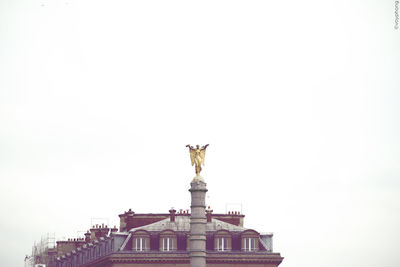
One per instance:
(197, 156)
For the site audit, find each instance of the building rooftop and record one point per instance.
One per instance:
(182, 223)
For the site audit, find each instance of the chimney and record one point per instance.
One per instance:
(115, 229)
(172, 212)
(104, 230)
(87, 236)
(129, 220)
(124, 217)
(97, 231)
(208, 214)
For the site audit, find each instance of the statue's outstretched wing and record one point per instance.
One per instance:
(192, 155)
(202, 155)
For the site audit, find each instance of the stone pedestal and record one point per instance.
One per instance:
(198, 222)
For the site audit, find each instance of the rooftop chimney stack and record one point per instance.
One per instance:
(87, 236)
(114, 230)
(209, 214)
(129, 219)
(172, 212)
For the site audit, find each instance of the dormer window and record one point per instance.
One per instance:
(222, 244)
(250, 240)
(140, 244)
(223, 240)
(167, 244)
(249, 244)
(141, 240)
(168, 240)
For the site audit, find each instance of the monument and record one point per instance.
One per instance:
(198, 221)
(197, 239)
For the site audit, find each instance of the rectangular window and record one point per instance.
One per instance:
(167, 244)
(249, 244)
(222, 243)
(140, 244)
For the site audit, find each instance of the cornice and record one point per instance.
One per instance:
(184, 258)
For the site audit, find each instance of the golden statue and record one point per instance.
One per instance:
(197, 156)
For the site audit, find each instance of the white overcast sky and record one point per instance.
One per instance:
(299, 101)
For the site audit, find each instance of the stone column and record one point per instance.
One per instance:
(198, 223)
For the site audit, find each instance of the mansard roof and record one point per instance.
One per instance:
(182, 224)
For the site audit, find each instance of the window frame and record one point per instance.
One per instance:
(222, 241)
(224, 246)
(142, 243)
(249, 244)
(167, 243)
(250, 240)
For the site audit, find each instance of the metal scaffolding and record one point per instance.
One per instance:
(42, 252)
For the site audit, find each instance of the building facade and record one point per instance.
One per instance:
(163, 240)
(198, 238)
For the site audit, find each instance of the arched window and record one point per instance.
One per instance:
(223, 241)
(168, 240)
(250, 240)
(141, 240)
